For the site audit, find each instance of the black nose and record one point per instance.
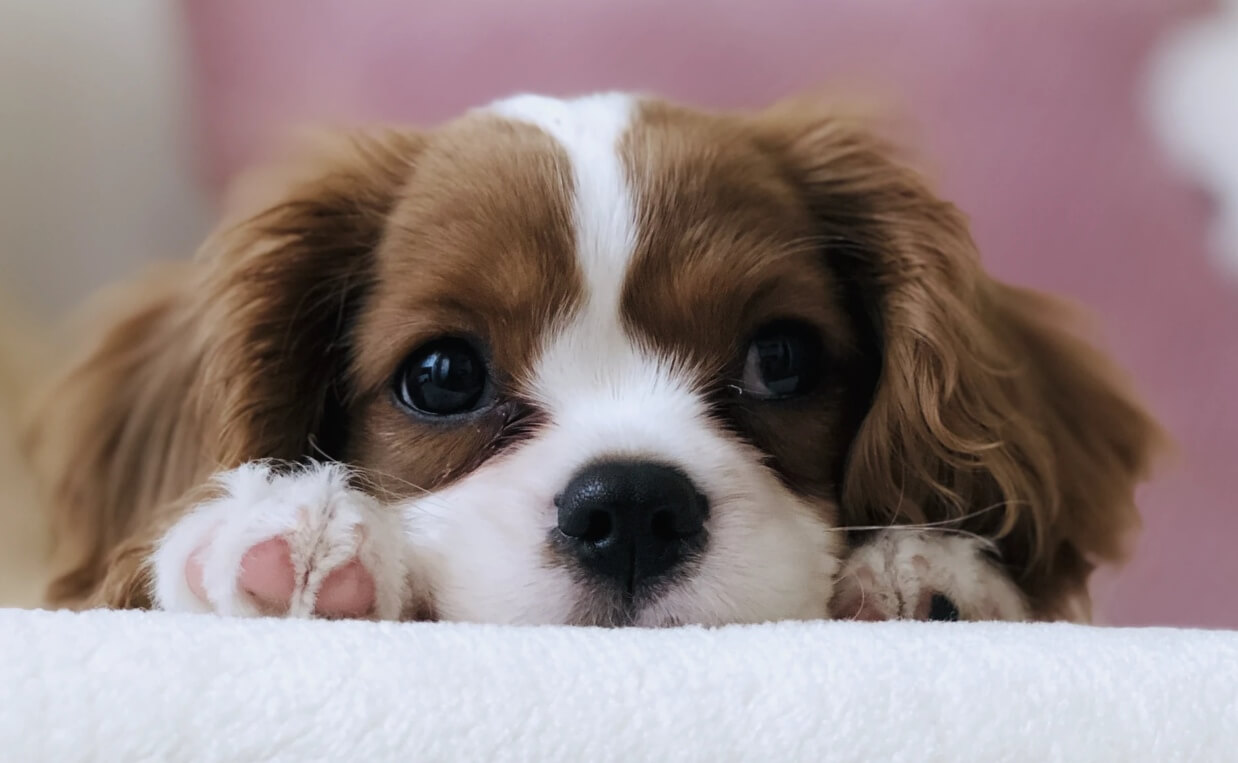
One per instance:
(631, 521)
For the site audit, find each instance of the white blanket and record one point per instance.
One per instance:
(117, 686)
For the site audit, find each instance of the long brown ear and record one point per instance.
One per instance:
(281, 290)
(987, 408)
(237, 355)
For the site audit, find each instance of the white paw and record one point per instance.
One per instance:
(924, 575)
(296, 544)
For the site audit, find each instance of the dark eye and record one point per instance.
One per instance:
(783, 360)
(443, 377)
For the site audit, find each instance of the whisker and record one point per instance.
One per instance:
(863, 596)
(943, 530)
(425, 496)
(939, 524)
(368, 478)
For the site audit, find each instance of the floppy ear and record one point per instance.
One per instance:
(237, 355)
(281, 290)
(986, 408)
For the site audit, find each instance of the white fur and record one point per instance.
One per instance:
(323, 520)
(897, 568)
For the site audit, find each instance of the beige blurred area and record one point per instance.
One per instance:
(95, 180)
(23, 540)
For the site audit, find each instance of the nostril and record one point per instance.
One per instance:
(591, 525)
(598, 528)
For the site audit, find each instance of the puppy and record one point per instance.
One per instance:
(603, 361)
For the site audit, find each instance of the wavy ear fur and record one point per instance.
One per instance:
(987, 407)
(282, 289)
(237, 355)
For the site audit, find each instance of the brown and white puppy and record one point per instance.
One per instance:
(594, 361)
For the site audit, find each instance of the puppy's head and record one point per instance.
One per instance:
(619, 362)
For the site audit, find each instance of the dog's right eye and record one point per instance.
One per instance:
(444, 377)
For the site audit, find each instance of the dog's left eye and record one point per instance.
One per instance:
(783, 360)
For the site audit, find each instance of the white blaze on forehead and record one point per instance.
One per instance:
(592, 360)
(589, 129)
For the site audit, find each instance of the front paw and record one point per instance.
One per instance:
(908, 574)
(301, 544)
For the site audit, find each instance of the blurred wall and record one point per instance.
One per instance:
(93, 152)
(94, 179)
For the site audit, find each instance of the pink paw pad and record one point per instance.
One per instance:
(348, 591)
(268, 577)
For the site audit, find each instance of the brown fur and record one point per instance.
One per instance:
(956, 397)
(198, 368)
(989, 410)
(481, 246)
(745, 254)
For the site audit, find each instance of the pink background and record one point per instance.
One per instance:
(1029, 108)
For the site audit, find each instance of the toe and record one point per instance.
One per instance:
(855, 604)
(347, 591)
(267, 575)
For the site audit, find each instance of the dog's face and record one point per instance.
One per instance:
(618, 362)
(603, 338)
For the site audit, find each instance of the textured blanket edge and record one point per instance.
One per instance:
(129, 686)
